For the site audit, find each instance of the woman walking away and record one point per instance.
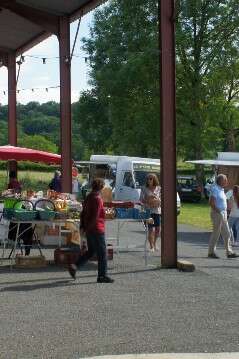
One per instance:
(233, 206)
(93, 224)
(150, 197)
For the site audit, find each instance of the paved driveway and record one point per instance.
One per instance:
(44, 314)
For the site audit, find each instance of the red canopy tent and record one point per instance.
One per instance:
(9, 153)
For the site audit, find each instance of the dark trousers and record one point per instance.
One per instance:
(96, 245)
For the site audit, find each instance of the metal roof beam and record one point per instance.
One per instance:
(5, 49)
(47, 21)
(3, 58)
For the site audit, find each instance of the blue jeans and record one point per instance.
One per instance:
(96, 245)
(234, 225)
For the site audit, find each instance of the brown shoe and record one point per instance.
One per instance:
(72, 270)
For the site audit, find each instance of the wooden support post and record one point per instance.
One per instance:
(12, 106)
(168, 133)
(65, 103)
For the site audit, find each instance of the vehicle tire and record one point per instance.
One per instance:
(198, 200)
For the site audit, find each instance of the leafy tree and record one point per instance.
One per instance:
(3, 133)
(124, 73)
(225, 95)
(206, 33)
(38, 142)
(3, 112)
(40, 125)
(91, 120)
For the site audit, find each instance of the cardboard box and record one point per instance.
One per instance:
(30, 261)
(52, 231)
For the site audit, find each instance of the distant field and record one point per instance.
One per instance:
(195, 214)
(29, 179)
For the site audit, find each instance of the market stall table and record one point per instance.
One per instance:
(33, 223)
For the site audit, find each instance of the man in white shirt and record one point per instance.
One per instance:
(218, 203)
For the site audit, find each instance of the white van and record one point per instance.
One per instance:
(125, 174)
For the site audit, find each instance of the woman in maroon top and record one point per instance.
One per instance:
(93, 224)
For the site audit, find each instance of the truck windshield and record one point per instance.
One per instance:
(141, 170)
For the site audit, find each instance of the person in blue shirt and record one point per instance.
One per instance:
(218, 204)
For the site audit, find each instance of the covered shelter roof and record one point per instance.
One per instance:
(25, 23)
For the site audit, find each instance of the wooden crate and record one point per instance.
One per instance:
(30, 261)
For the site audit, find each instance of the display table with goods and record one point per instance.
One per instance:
(40, 214)
(128, 212)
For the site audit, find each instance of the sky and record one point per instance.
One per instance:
(34, 74)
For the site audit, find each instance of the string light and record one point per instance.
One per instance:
(33, 89)
(44, 59)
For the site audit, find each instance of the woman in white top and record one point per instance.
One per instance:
(233, 206)
(150, 197)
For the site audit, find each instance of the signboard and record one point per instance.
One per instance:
(146, 167)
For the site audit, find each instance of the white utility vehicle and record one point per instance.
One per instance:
(126, 175)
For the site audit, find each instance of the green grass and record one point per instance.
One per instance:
(29, 179)
(195, 214)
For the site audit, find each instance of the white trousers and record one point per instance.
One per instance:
(220, 226)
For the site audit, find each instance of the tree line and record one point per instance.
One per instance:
(120, 112)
